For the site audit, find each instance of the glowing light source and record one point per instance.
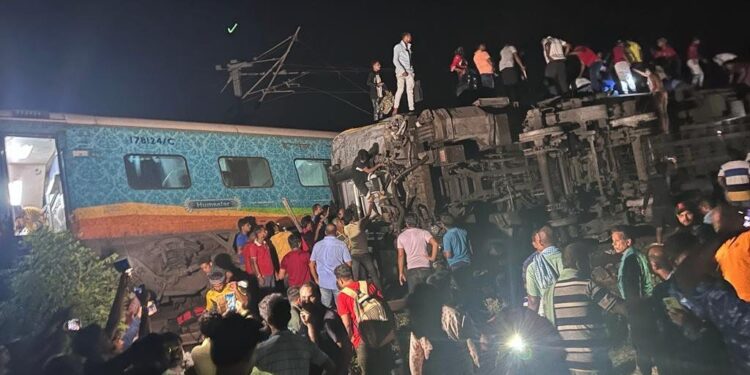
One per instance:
(517, 343)
(17, 151)
(15, 190)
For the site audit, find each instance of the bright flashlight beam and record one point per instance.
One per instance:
(516, 343)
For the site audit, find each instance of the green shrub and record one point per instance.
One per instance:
(57, 273)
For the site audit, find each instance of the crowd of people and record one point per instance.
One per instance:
(308, 297)
(684, 296)
(625, 69)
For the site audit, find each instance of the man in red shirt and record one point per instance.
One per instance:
(667, 58)
(295, 263)
(370, 360)
(590, 60)
(308, 234)
(694, 62)
(258, 258)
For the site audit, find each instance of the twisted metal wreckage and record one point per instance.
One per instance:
(584, 160)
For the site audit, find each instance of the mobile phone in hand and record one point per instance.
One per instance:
(231, 302)
(122, 265)
(151, 308)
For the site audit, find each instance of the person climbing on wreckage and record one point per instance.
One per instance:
(363, 170)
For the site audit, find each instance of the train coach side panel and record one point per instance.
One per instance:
(103, 205)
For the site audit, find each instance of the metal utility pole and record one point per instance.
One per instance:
(271, 73)
(264, 81)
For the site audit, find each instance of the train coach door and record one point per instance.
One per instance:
(31, 189)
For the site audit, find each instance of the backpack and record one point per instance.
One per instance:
(373, 317)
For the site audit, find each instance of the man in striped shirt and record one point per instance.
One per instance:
(574, 305)
(734, 177)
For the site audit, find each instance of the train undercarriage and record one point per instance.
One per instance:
(581, 160)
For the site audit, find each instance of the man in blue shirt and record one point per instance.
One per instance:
(457, 250)
(328, 254)
(240, 239)
(712, 300)
(456, 246)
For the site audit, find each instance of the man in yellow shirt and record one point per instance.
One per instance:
(280, 242)
(633, 52)
(485, 67)
(733, 256)
(220, 298)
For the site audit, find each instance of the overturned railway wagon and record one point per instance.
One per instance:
(161, 193)
(580, 160)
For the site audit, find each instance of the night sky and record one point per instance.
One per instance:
(156, 58)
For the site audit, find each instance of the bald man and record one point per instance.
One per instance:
(327, 254)
(660, 263)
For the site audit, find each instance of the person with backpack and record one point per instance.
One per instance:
(367, 319)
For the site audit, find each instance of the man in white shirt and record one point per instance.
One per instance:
(722, 58)
(509, 74)
(555, 52)
(404, 72)
(413, 260)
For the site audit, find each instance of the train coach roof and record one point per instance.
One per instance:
(74, 119)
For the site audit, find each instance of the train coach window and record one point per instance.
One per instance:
(242, 172)
(151, 172)
(312, 172)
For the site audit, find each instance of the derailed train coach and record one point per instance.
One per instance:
(161, 193)
(580, 164)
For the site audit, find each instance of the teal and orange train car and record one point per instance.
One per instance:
(161, 193)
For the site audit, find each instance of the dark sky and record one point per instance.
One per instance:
(156, 58)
